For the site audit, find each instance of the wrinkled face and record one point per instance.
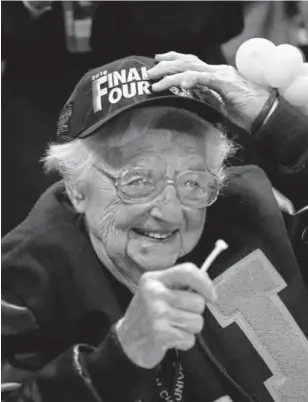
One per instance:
(152, 235)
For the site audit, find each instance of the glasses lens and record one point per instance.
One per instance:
(138, 184)
(197, 188)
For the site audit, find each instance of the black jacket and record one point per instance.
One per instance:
(61, 303)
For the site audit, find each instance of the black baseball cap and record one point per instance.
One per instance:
(107, 91)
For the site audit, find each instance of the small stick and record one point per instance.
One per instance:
(220, 246)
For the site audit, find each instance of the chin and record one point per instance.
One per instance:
(153, 255)
(154, 262)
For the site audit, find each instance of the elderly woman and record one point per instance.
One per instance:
(103, 296)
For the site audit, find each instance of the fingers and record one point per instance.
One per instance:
(186, 300)
(187, 342)
(155, 291)
(170, 67)
(186, 71)
(284, 203)
(188, 79)
(188, 275)
(168, 318)
(188, 322)
(171, 56)
(179, 339)
(191, 80)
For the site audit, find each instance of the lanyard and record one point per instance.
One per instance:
(176, 394)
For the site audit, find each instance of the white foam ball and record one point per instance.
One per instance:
(251, 57)
(297, 92)
(283, 66)
(304, 70)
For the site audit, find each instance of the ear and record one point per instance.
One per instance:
(77, 197)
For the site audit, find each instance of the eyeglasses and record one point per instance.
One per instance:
(139, 185)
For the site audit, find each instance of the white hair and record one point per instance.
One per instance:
(74, 160)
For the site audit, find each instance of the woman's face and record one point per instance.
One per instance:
(149, 236)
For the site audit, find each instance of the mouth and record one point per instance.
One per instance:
(159, 235)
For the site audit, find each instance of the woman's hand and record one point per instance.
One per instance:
(162, 315)
(243, 100)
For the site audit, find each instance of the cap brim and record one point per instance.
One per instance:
(202, 109)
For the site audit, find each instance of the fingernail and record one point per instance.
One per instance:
(146, 75)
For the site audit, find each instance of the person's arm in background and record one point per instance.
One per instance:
(37, 8)
(280, 147)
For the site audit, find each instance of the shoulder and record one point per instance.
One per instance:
(50, 265)
(43, 251)
(247, 217)
(48, 215)
(248, 188)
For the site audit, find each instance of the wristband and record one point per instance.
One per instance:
(268, 107)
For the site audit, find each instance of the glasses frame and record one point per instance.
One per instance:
(167, 181)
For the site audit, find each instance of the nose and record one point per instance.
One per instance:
(168, 206)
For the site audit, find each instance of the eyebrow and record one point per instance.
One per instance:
(188, 161)
(191, 163)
